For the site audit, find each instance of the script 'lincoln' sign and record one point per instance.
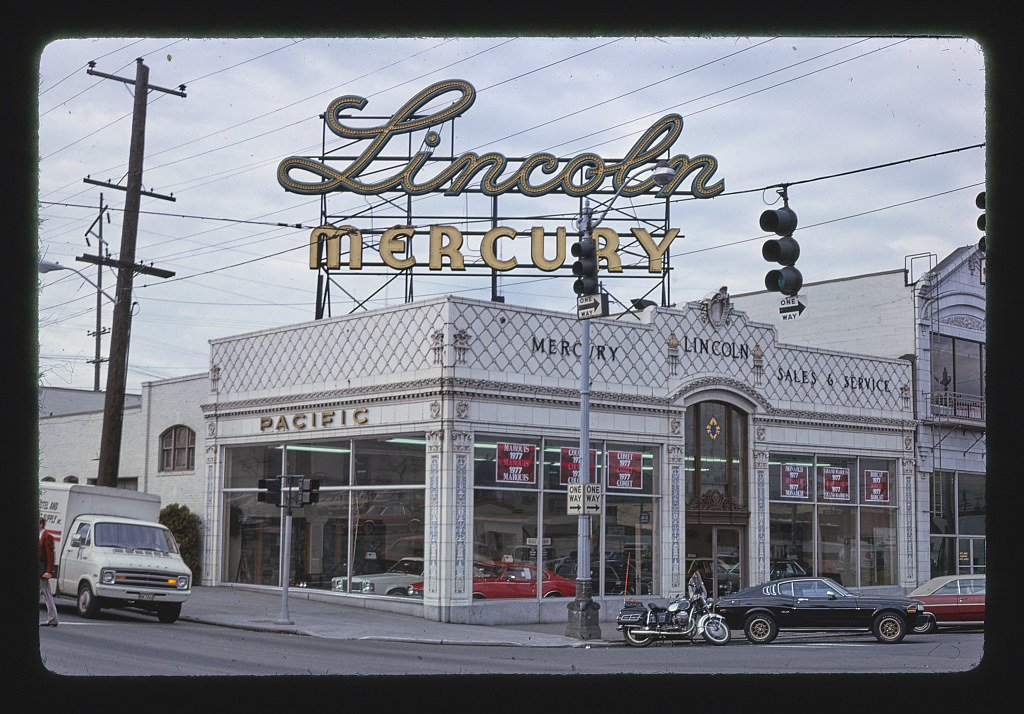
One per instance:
(537, 175)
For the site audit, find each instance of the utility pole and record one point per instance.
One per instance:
(113, 408)
(100, 330)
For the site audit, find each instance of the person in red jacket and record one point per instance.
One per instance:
(45, 573)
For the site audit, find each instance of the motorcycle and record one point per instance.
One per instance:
(687, 618)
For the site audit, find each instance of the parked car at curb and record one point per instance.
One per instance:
(509, 580)
(393, 581)
(817, 604)
(952, 600)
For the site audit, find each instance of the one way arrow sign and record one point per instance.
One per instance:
(791, 308)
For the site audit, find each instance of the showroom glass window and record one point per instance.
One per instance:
(369, 516)
(520, 510)
(957, 516)
(834, 516)
(178, 449)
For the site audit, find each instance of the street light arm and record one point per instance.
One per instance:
(586, 224)
(46, 266)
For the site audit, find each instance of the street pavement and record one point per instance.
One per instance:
(322, 615)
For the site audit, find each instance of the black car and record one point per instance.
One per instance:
(817, 604)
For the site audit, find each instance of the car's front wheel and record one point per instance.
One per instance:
(760, 628)
(88, 604)
(889, 628)
(168, 612)
(928, 627)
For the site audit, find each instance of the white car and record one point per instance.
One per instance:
(393, 581)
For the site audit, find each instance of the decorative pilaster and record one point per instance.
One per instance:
(760, 516)
(676, 525)
(448, 532)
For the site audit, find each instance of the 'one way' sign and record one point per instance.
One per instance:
(791, 308)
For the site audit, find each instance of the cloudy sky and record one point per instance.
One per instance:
(878, 139)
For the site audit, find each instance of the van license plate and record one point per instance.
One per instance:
(145, 596)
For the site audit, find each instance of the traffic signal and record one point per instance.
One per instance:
(784, 251)
(980, 203)
(585, 267)
(269, 491)
(309, 490)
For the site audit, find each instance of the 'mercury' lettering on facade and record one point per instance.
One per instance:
(537, 175)
(566, 348)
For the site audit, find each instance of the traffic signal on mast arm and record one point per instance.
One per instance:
(269, 491)
(784, 251)
(585, 267)
(980, 203)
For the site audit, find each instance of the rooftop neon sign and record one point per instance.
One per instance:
(537, 175)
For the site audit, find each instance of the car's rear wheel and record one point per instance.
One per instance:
(760, 628)
(889, 628)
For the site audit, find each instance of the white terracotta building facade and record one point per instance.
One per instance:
(447, 430)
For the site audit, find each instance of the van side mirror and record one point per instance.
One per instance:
(77, 541)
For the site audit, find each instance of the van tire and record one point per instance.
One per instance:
(88, 604)
(168, 611)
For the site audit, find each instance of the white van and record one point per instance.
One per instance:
(110, 551)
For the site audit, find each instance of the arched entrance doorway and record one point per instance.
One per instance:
(717, 510)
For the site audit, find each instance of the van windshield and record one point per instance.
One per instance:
(130, 535)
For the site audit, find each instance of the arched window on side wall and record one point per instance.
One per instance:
(178, 449)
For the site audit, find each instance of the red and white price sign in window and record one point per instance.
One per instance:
(624, 469)
(876, 486)
(794, 481)
(836, 483)
(570, 467)
(516, 463)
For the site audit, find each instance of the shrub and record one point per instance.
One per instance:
(185, 526)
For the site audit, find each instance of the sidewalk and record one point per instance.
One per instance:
(261, 610)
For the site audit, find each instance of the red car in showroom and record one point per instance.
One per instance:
(952, 600)
(507, 580)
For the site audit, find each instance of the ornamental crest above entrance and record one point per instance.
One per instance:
(716, 308)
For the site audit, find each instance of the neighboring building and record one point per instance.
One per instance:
(938, 320)
(449, 429)
(157, 442)
(56, 401)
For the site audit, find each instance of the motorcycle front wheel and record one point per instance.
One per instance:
(636, 640)
(717, 632)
